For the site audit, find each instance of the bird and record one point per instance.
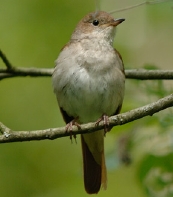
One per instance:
(89, 84)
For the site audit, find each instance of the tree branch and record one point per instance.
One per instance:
(148, 110)
(22, 72)
(142, 74)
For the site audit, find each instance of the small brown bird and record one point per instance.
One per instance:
(89, 81)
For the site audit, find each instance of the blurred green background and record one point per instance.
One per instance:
(32, 32)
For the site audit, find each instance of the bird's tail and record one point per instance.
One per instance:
(95, 175)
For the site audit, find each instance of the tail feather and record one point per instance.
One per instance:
(104, 173)
(94, 168)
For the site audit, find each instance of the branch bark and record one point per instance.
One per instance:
(142, 74)
(23, 72)
(148, 110)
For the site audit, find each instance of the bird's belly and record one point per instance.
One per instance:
(89, 96)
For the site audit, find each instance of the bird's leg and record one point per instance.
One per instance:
(105, 120)
(69, 128)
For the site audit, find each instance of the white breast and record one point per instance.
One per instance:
(87, 83)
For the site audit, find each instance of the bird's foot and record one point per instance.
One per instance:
(69, 128)
(105, 120)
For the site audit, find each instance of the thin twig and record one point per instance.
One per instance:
(5, 60)
(144, 74)
(53, 133)
(141, 74)
(139, 4)
(22, 72)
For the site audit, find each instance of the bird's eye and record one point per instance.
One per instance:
(95, 22)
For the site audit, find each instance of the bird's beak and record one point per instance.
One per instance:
(117, 21)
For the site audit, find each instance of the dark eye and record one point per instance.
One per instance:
(95, 22)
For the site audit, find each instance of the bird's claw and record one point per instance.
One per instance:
(105, 120)
(69, 128)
